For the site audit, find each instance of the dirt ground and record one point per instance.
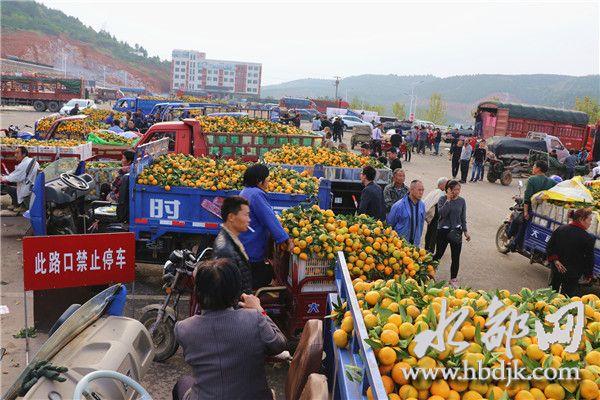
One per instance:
(482, 267)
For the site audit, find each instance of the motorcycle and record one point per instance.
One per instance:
(15, 131)
(160, 320)
(510, 225)
(178, 273)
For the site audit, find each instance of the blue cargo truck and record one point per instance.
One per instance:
(186, 217)
(133, 104)
(358, 355)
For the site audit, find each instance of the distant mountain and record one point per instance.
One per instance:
(34, 32)
(461, 93)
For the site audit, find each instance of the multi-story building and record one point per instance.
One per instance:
(193, 73)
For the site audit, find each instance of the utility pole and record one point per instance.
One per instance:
(337, 84)
(104, 76)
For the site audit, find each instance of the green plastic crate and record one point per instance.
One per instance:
(210, 139)
(227, 151)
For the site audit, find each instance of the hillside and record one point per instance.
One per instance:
(34, 32)
(461, 93)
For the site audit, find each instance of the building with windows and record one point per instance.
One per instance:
(193, 73)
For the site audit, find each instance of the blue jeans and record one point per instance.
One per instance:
(477, 173)
(436, 147)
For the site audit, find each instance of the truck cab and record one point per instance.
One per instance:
(184, 136)
(553, 143)
(133, 104)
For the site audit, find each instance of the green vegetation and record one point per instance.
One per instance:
(32, 16)
(436, 112)
(399, 110)
(590, 107)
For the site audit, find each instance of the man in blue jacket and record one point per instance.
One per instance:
(407, 215)
(263, 225)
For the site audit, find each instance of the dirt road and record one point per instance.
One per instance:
(481, 265)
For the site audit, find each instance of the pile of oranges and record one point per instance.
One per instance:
(185, 170)
(5, 141)
(77, 129)
(247, 125)
(396, 310)
(305, 155)
(372, 249)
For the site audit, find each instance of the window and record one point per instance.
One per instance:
(556, 145)
(160, 135)
(254, 81)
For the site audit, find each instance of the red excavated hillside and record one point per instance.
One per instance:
(82, 60)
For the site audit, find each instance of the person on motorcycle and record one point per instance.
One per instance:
(24, 177)
(570, 252)
(225, 345)
(235, 213)
(264, 224)
(535, 183)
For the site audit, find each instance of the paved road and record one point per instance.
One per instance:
(481, 265)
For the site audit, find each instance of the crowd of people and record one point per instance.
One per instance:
(407, 210)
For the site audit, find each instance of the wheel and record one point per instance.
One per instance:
(491, 176)
(39, 106)
(502, 240)
(163, 337)
(54, 106)
(506, 178)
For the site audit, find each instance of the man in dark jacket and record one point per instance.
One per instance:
(235, 213)
(338, 129)
(371, 198)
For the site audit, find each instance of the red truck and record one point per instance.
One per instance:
(43, 93)
(323, 104)
(517, 120)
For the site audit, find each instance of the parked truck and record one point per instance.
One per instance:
(183, 217)
(133, 104)
(43, 93)
(517, 120)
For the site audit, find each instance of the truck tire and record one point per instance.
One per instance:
(491, 176)
(39, 106)
(54, 106)
(506, 178)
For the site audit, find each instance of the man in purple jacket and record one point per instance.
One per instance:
(263, 224)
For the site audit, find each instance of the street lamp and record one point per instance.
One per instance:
(412, 97)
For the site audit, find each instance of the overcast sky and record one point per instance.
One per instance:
(321, 40)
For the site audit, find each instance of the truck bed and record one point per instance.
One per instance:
(155, 211)
(538, 234)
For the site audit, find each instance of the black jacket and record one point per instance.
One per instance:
(371, 202)
(226, 247)
(338, 126)
(574, 248)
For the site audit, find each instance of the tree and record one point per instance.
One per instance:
(399, 110)
(437, 109)
(590, 107)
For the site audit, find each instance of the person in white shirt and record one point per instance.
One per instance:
(376, 136)
(431, 213)
(24, 177)
(316, 124)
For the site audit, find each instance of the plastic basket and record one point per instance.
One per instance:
(312, 267)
